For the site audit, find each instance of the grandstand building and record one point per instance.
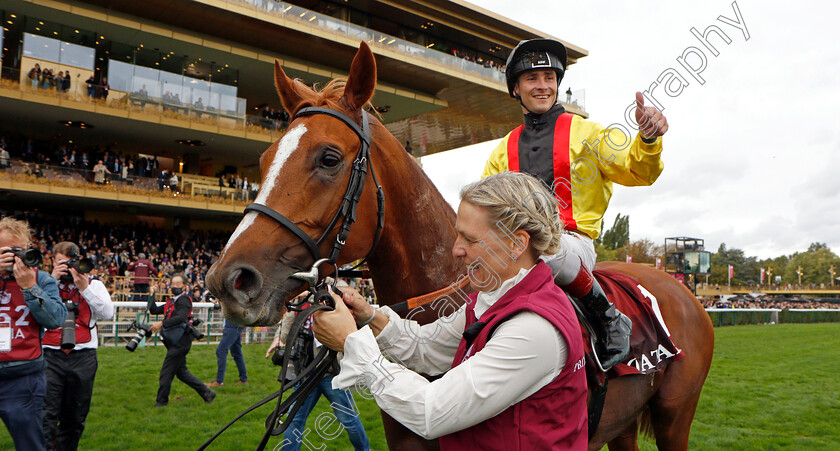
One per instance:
(187, 86)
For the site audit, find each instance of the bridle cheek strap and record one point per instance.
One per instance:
(350, 200)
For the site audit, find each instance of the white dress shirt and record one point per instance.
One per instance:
(101, 307)
(524, 354)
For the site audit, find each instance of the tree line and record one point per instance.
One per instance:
(816, 262)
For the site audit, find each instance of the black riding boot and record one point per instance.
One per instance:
(612, 328)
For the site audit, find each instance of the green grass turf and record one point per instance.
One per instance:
(770, 387)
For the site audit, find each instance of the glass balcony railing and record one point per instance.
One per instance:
(225, 113)
(126, 182)
(376, 39)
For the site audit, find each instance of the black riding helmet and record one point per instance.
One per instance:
(535, 54)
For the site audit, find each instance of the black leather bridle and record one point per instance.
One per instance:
(319, 298)
(349, 202)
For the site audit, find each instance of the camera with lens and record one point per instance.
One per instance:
(192, 328)
(143, 331)
(68, 329)
(82, 265)
(30, 257)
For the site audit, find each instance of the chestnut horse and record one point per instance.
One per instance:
(306, 173)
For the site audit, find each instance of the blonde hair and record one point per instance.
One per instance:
(17, 228)
(517, 201)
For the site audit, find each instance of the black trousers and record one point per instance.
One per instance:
(175, 364)
(67, 402)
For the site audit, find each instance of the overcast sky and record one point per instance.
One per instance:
(751, 157)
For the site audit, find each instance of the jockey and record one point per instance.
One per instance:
(579, 160)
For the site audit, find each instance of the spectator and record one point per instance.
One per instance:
(70, 373)
(47, 79)
(142, 96)
(173, 183)
(33, 305)
(143, 269)
(255, 189)
(59, 81)
(163, 179)
(65, 83)
(231, 341)
(245, 187)
(99, 173)
(35, 76)
(91, 86)
(104, 88)
(4, 157)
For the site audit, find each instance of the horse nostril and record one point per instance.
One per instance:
(245, 281)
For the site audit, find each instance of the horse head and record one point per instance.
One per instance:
(305, 175)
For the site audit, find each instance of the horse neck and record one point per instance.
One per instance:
(414, 254)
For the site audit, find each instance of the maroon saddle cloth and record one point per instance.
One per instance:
(650, 343)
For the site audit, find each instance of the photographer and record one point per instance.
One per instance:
(29, 303)
(70, 350)
(174, 329)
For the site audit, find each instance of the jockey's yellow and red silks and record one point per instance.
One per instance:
(587, 159)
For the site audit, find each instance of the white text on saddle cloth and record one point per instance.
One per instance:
(643, 363)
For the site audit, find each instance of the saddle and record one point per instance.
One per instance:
(651, 347)
(650, 342)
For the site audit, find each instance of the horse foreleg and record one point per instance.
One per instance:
(401, 438)
(627, 440)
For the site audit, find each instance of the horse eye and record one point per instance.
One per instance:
(330, 161)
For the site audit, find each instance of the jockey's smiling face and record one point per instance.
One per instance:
(480, 246)
(538, 90)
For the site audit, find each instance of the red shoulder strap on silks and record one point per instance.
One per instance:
(562, 170)
(513, 148)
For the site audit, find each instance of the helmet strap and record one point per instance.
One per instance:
(519, 98)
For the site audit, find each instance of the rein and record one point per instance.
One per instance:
(320, 297)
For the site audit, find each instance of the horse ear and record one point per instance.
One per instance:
(286, 89)
(362, 79)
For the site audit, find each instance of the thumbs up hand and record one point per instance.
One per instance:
(652, 122)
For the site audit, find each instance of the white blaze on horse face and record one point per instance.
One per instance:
(285, 148)
(287, 145)
(244, 224)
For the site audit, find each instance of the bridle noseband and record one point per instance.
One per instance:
(349, 202)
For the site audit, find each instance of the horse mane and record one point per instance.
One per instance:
(329, 96)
